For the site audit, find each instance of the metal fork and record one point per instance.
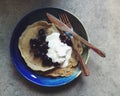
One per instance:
(64, 18)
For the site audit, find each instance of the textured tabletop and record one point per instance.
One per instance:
(100, 18)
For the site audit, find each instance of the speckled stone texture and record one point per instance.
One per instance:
(101, 19)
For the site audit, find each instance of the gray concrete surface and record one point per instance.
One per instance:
(101, 19)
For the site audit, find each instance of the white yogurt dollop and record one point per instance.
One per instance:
(58, 51)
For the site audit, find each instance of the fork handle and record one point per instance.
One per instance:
(98, 51)
(84, 68)
(83, 65)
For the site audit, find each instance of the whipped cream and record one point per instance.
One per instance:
(58, 51)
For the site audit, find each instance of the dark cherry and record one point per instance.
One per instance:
(40, 46)
(37, 53)
(42, 37)
(69, 42)
(46, 58)
(42, 55)
(33, 43)
(47, 61)
(43, 47)
(40, 41)
(64, 41)
(41, 32)
(56, 64)
(63, 36)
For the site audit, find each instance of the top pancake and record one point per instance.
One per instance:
(36, 63)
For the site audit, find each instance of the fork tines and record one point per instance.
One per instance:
(63, 17)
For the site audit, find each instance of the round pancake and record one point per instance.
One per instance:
(31, 32)
(36, 63)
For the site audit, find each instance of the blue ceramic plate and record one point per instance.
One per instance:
(18, 61)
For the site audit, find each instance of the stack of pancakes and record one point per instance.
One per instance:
(36, 63)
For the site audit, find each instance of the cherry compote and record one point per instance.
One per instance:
(40, 48)
(65, 39)
(33, 43)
